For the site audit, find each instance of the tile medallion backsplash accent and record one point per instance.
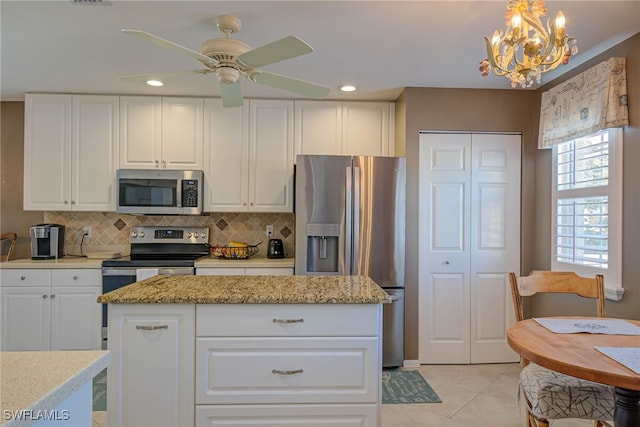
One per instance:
(110, 231)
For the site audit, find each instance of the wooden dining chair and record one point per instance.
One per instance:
(7, 244)
(549, 394)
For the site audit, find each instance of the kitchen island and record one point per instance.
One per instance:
(48, 388)
(245, 350)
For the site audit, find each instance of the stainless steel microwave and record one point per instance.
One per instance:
(160, 192)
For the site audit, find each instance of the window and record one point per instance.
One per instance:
(587, 207)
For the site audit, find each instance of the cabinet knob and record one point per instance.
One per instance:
(23, 278)
(445, 262)
(164, 164)
(66, 202)
(157, 164)
(75, 277)
(73, 202)
(45, 296)
(53, 296)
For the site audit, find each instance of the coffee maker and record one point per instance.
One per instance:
(47, 241)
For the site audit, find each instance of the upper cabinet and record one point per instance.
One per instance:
(249, 156)
(344, 128)
(161, 133)
(70, 152)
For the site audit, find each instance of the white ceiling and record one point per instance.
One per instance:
(380, 46)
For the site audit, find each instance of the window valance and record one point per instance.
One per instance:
(593, 100)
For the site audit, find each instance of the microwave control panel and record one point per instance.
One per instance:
(189, 193)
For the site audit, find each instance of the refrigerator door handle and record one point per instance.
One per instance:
(348, 219)
(355, 252)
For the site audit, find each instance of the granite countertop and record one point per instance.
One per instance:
(249, 290)
(254, 261)
(41, 380)
(66, 262)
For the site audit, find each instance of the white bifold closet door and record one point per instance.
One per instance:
(469, 240)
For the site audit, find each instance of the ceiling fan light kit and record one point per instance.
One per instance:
(526, 49)
(230, 58)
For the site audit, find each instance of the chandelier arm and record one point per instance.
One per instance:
(536, 24)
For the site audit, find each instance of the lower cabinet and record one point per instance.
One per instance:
(150, 380)
(50, 309)
(245, 365)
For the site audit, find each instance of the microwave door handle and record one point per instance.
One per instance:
(178, 193)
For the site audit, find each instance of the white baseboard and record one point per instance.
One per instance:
(411, 364)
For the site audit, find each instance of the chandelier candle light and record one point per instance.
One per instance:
(526, 49)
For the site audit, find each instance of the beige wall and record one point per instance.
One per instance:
(518, 110)
(472, 110)
(12, 218)
(629, 307)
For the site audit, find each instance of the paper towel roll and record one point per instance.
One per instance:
(143, 273)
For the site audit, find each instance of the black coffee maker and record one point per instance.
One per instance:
(276, 249)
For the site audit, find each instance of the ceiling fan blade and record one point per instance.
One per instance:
(310, 90)
(170, 45)
(231, 94)
(148, 76)
(288, 47)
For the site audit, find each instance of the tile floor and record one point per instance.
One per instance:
(472, 396)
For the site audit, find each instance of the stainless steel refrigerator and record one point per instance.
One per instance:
(350, 220)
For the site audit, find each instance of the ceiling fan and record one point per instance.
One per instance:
(230, 58)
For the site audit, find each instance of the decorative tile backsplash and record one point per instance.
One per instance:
(110, 231)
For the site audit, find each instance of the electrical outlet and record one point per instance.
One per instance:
(87, 230)
(270, 230)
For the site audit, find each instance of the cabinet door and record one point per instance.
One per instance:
(365, 128)
(318, 127)
(226, 153)
(94, 151)
(75, 318)
(182, 133)
(271, 156)
(140, 132)
(25, 318)
(47, 155)
(151, 377)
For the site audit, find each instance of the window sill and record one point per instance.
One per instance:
(614, 294)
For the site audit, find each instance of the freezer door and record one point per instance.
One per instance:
(321, 188)
(379, 219)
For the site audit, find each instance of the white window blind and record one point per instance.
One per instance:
(586, 199)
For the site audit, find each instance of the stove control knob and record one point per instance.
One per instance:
(134, 234)
(190, 234)
(141, 234)
(203, 234)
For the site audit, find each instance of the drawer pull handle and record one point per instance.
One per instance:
(151, 328)
(288, 320)
(278, 371)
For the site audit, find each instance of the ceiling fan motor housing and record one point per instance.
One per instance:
(227, 75)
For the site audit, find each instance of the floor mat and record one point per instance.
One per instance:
(406, 387)
(100, 391)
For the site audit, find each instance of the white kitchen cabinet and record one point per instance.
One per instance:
(249, 156)
(254, 360)
(70, 152)
(150, 380)
(344, 128)
(161, 133)
(50, 309)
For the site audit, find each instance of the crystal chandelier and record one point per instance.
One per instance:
(526, 49)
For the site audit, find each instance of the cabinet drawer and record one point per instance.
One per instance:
(80, 277)
(242, 320)
(284, 415)
(287, 370)
(25, 277)
(220, 271)
(269, 271)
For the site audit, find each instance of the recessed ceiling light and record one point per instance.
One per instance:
(155, 83)
(347, 88)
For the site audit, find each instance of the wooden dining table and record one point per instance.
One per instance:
(575, 354)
